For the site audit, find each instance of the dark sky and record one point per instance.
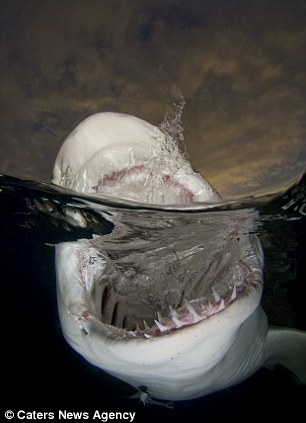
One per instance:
(241, 66)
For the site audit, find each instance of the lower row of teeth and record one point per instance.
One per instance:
(187, 317)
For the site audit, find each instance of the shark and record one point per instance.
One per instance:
(191, 331)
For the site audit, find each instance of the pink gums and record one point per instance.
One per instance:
(108, 182)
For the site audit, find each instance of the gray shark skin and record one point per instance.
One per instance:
(191, 331)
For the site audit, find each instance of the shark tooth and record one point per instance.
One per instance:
(216, 295)
(161, 327)
(234, 294)
(210, 308)
(146, 326)
(175, 317)
(192, 311)
(159, 317)
(222, 305)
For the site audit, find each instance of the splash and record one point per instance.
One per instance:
(172, 127)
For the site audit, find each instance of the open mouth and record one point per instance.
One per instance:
(136, 300)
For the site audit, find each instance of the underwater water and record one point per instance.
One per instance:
(40, 367)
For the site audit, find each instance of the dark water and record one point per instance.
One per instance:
(41, 372)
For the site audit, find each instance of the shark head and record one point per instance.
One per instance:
(177, 311)
(209, 342)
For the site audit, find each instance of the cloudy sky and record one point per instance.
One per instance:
(241, 66)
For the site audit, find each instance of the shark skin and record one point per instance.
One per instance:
(193, 352)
